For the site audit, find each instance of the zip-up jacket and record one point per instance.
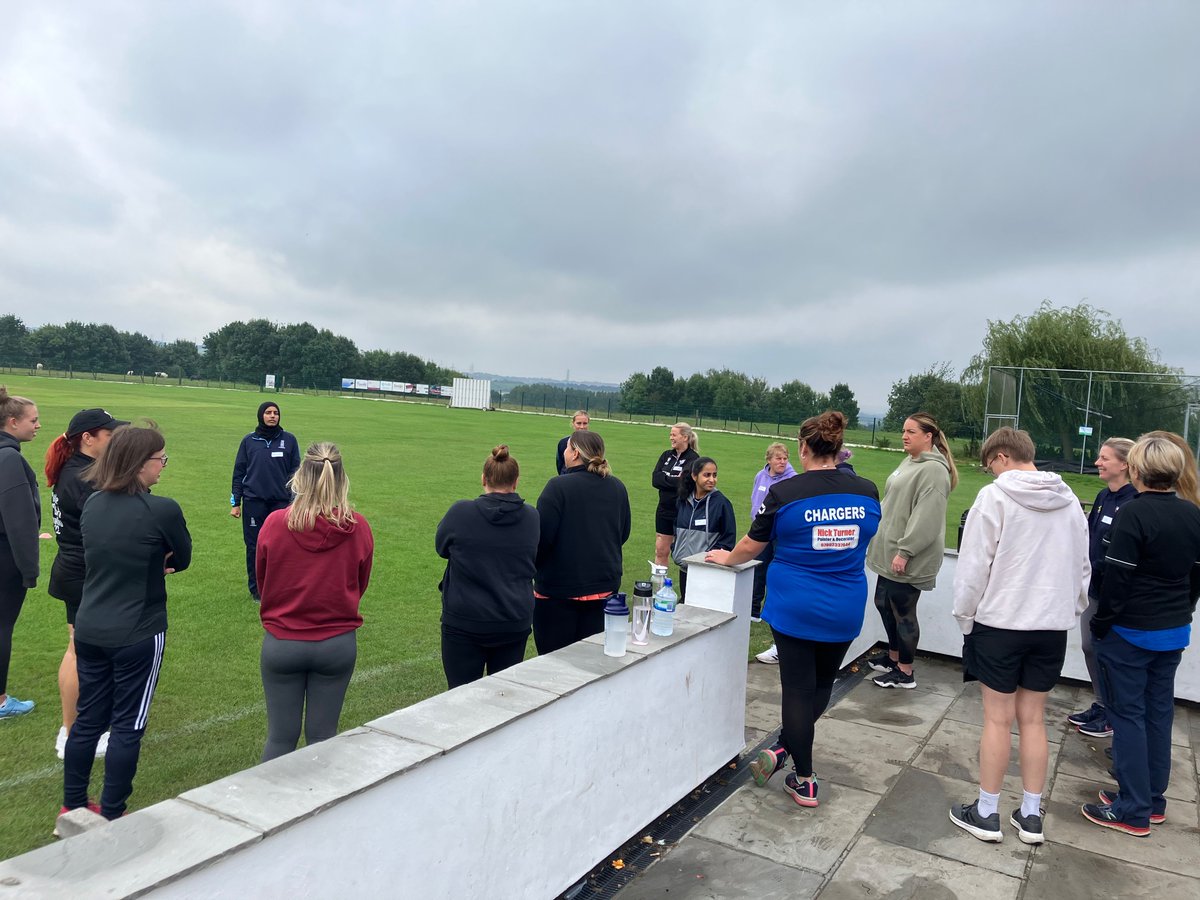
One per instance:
(20, 511)
(262, 467)
(1100, 521)
(126, 539)
(763, 482)
(585, 521)
(1152, 569)
(712, 515)
(490, 544)
(69, 494)
(667, 472)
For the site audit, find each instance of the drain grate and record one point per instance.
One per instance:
(603, 882)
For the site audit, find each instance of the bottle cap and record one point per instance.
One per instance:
(643, 589)
(615, 606)
(667, 582)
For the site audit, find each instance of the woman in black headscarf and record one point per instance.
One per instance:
(266, 459)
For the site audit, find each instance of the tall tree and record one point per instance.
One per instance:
(842, 399)
(935, 391)
(14, 338)
(1079, 353)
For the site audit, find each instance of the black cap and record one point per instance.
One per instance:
(92, 420)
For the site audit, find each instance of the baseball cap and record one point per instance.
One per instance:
(91, 420)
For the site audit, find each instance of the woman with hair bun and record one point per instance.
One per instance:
(490, 547)
(585, 521)
(908, 550)
(667, 472)
(68, 455)
(20, 515)
(313, 566)
(821, 521)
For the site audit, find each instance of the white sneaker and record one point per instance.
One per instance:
(769, 656)
(60, 744)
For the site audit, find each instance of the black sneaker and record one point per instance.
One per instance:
(1082, 718)
(1106, 818)
(1029, 828)
(1099, 727)
(966, 816)
(894, 678)
(882, 662)
(803, 792)
(1108, 798)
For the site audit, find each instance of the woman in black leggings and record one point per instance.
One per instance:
(489, 544)
(313, 564)
(20, 514)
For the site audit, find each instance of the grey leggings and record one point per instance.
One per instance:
(304, 680)
(1089, 654)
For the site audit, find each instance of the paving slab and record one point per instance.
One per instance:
(763, 714)
(892, 709)
(1066, 873)
(767, 822)
(1181, 727)
(1060, 703)
(916, 814)
(953, 750)
(754, 737)
(698, 869)
(762, 677)
(1170, 848)
(936, 677)
(1084, 758)
(878, 869)
(859, 756)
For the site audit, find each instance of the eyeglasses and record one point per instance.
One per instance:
(162, 459)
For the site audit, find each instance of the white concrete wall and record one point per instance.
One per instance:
(514, 786)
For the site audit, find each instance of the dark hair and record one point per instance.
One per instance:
(117, 470)
(500, 470)
(687, 479)
(929, 425)
(823, 434)
(590, 447)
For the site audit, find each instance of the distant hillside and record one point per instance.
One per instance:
(505, 383)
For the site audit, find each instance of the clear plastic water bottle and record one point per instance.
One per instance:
(662, 620)
(616, 625)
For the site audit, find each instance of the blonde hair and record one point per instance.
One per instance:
(929, 425)
(775, 449)
(1015, 444)
(688, 432)
(590, 447)
(12, 407)
(1186, 483)
(321, 488)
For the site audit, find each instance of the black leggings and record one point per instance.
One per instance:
(560, 623)
(254, 513)
(12, 597)
(465, 657)
(897, 605)
(304, 680)
(807, 670)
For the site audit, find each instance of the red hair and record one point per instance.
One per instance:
(60, 450)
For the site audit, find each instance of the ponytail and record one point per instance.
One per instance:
(60, 450)
(590, 447)
(929, 425)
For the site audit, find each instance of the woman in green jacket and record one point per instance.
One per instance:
(907, 551)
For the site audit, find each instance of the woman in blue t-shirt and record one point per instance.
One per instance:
(821, 522)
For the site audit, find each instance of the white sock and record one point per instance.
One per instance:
(988, 803)
(1031, 804)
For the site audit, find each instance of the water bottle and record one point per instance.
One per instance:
(662, 621)
(616, 625)
(643, 602)
(657, 574)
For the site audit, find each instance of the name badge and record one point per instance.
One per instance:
(700, 522)
(278, 453)
(1107, 520)
(763, 488)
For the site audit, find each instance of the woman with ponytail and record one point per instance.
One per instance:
(68, 455)
(908, 550)
(585, 521)
(313, 565)
(490, 547)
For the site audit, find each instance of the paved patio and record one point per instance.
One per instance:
(890, 763)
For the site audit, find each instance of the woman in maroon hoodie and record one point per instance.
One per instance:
(313, 565)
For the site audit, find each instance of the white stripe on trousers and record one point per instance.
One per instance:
(151, 682)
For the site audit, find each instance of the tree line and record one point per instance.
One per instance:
(302, 354)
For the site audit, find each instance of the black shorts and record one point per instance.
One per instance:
(1005, 660)
(66, 584)
(664, 521)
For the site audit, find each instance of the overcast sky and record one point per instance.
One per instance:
(825, 191)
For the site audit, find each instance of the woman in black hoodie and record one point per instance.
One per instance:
(490, 544)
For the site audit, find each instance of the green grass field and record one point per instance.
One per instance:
(407, 463)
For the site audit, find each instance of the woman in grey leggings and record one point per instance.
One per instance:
(312, 566)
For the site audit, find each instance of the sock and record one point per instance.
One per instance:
(1031, 804)
(988, 803)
